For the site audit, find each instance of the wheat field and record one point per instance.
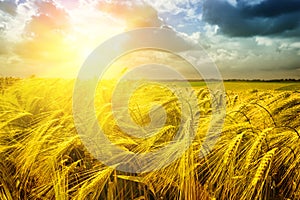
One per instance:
(43, 157)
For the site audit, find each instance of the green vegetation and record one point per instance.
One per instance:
(291, 87)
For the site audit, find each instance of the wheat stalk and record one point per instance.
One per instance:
(233, 147)
(264, 164)
(255, 147)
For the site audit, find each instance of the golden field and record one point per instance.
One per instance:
(255, 157)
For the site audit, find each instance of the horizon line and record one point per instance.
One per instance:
(170, 80)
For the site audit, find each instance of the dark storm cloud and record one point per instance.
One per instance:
(269, 17)
(272, 8)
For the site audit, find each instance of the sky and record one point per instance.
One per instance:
(258, 39)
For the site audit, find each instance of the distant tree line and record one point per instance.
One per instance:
(262, 80)
(9, 80)
(236, 80)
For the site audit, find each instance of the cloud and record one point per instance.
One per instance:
(271, 8)
(269, 17)
(32, 36)
(136, 13)
(4, 47)
(8, 7)
(295, 46)
(264, 41)
(50, 38)
(44, 33)
(252, 57)
(49, 17)
(187, 13)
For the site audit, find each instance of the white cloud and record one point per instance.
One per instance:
(289, 46)
(264, 41)
(195, 36)
(237, 57)
(252, 2)
(211, 30)
(232, 2)
(295, 45)
(188, 7)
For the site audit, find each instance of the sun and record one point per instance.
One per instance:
(89, 31)
(57, 40)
